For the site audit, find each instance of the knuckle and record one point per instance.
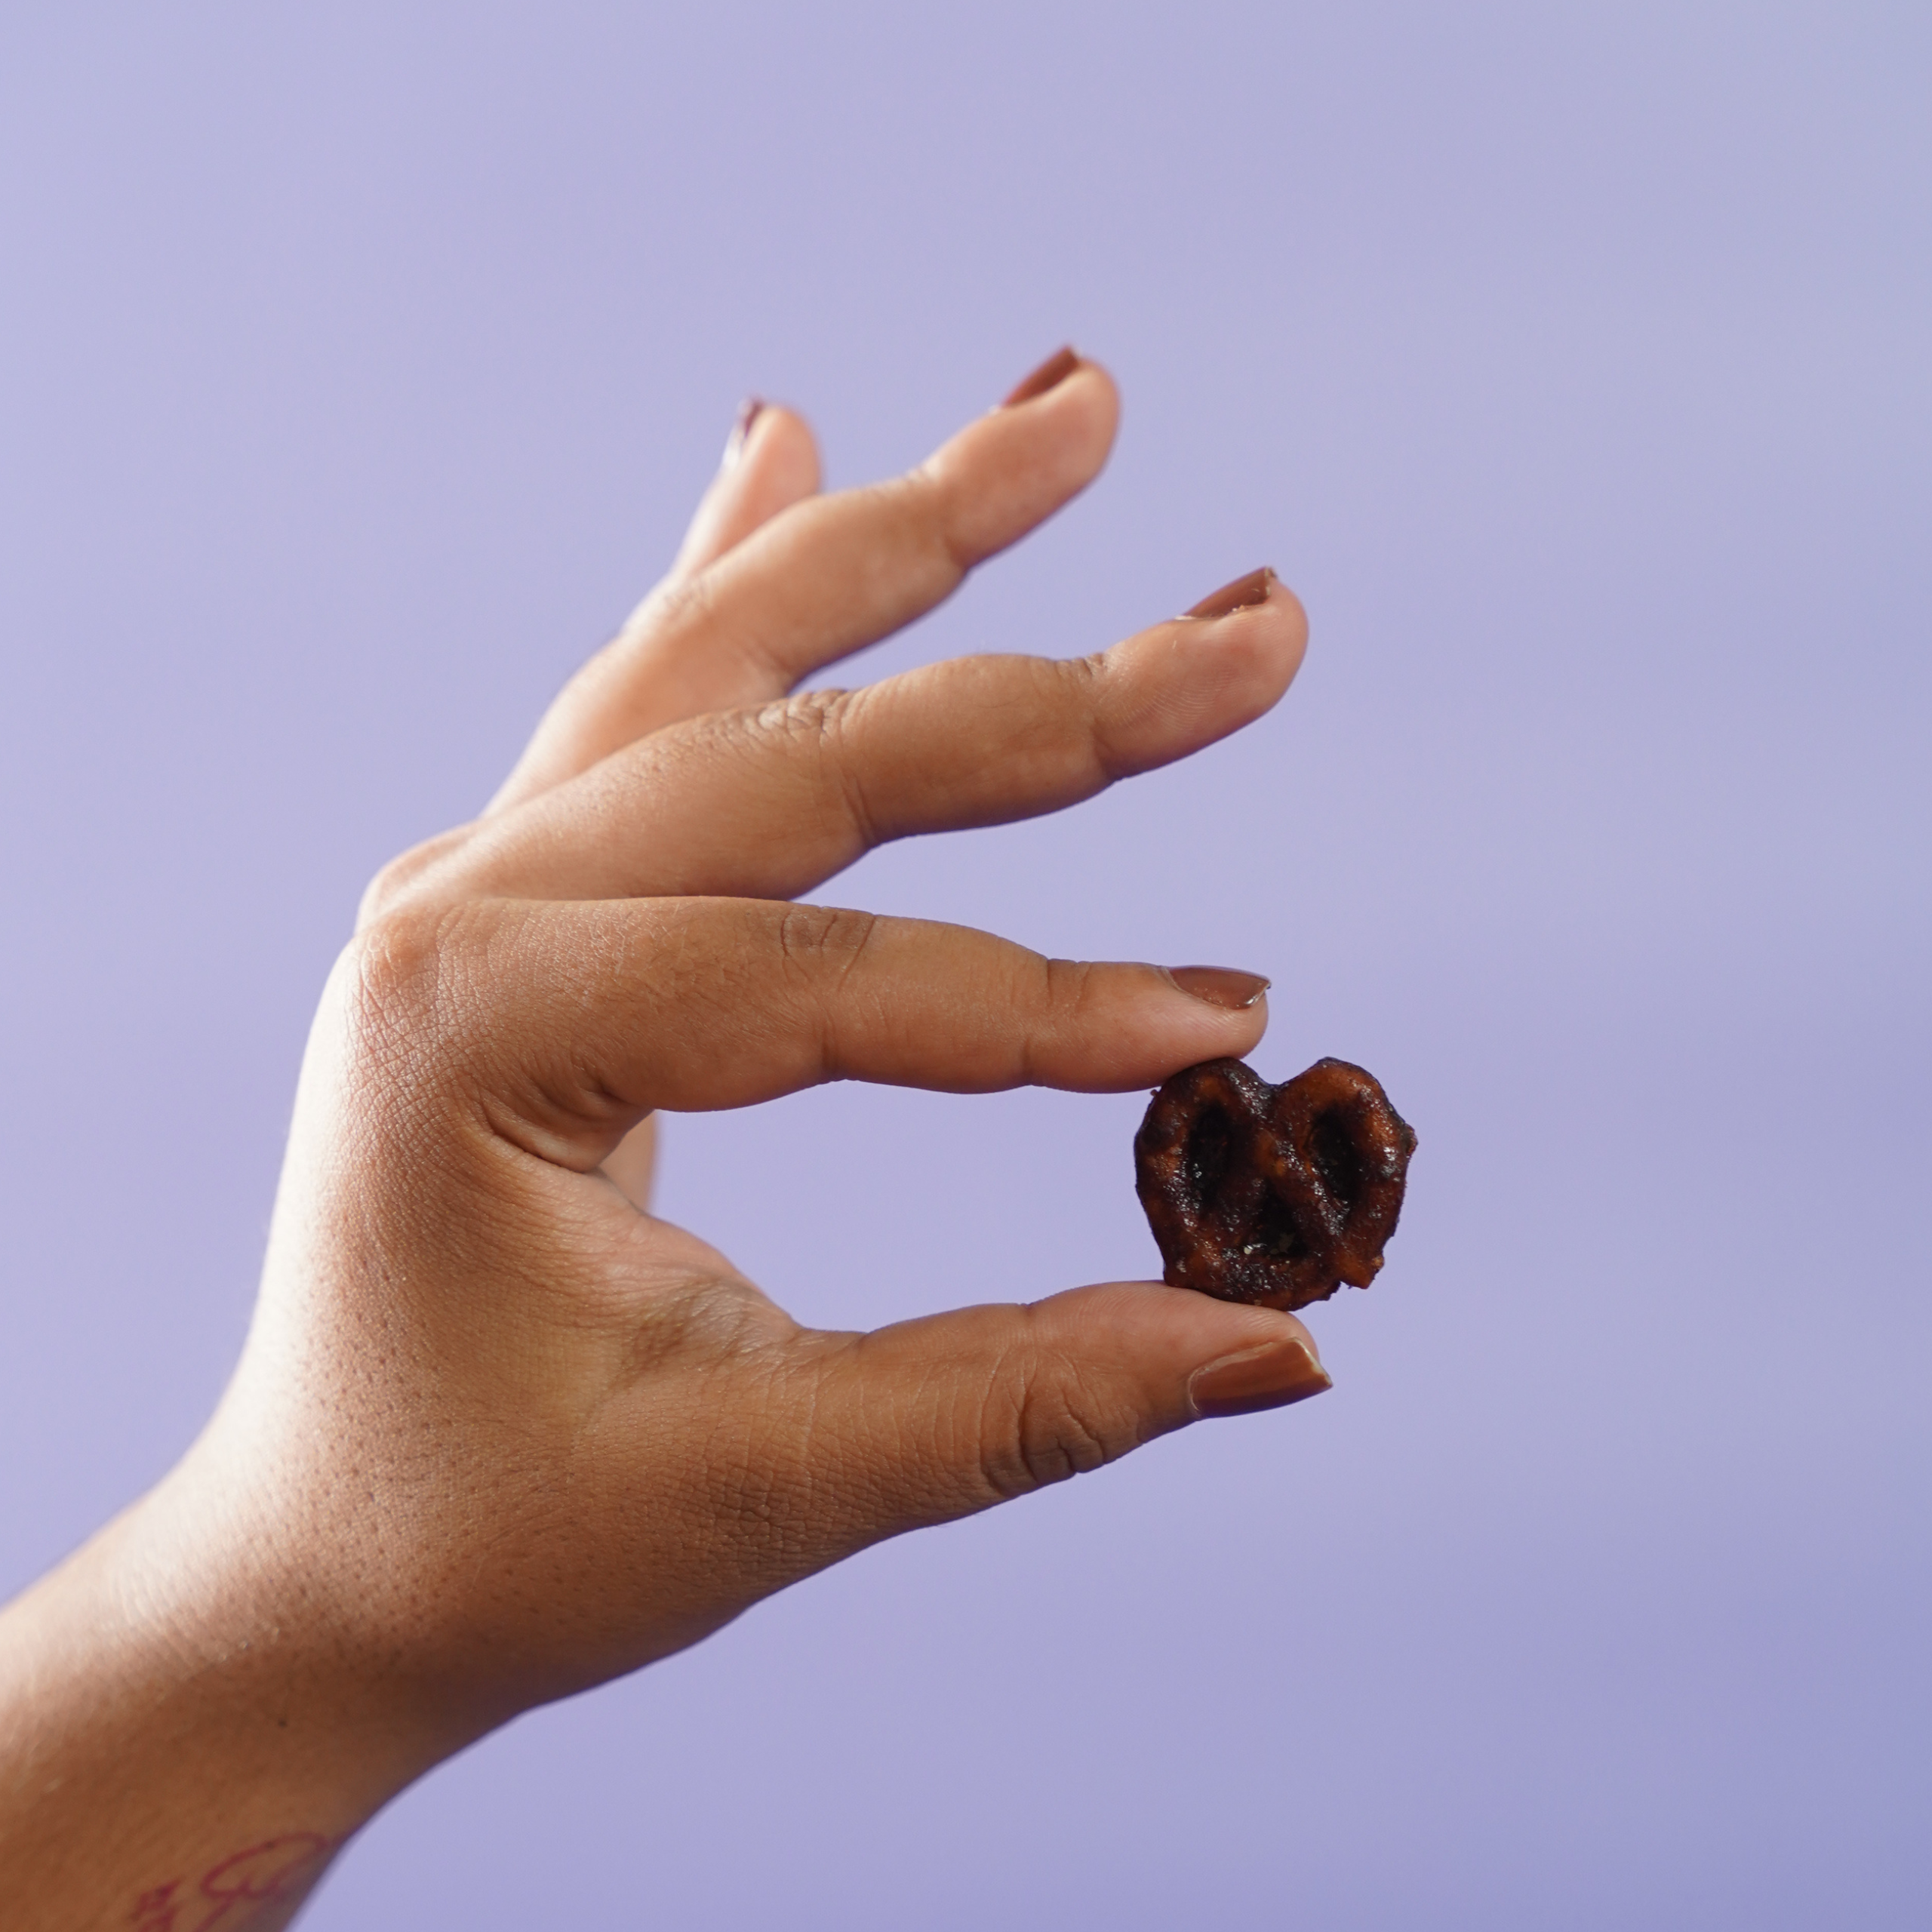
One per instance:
(807, 730)
(923, 502)
(736, 738)
(819, 949)
(819, 719)
(1059, 729)
(401, 975)
(679, 603)
(1086, 687)
(684, 752)
(1071, 984)
(1054, 988)
(817, 942)
(818, 723)
(1081, 680)
(403, 874)
(1047, 1426)
(811, 723)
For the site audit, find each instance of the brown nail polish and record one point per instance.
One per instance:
(1220, 986)
(1263, 1378)
(1049, 375)
(749, 412)
(1242, 595)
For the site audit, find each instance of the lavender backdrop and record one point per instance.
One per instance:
(360, 364)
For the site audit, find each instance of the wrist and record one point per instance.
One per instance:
(172, 1714)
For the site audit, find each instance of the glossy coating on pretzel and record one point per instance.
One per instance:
(1274, 1196)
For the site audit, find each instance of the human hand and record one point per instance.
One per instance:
(499, 1434)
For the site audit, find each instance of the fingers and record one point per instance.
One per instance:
(825, 577)
(561, 1025)
(931, 1419)
(770, 463)
(772, 802)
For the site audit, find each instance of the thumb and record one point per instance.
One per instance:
(935, 1419)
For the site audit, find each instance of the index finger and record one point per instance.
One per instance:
(580, 1016)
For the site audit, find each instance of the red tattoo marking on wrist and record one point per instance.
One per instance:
(278, 1869)
(154, 1912)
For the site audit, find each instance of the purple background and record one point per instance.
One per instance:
(360, 366)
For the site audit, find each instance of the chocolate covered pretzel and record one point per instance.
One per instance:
(1276, 1195)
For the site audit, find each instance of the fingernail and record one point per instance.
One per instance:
(1264, 1378)
(749, 412)
(1054, 370)
(1220, 986)
(1242, 595)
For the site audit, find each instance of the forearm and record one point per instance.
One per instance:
(176, 1752)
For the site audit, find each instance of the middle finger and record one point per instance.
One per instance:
(769, 803)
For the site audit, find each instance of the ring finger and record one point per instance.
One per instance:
(824, 578)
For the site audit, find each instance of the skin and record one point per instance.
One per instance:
(497, 1434)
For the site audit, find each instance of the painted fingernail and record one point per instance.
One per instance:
(749, 412)
(1264, 1378)
(1049, 375)
(1242, 595)
(1220, 986)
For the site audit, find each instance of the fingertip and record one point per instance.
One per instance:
(1269, 621)
(1190, 1356)
(770, 463)
(1170, 1324)
(1179, 686)
(1270, 1376)
(1210, 1012)
(742, 427)
(1232, 989)
(1122, 1025)
(1067, 374)
(775, 456)
(1054, 370)
(1261, 648)
(1078, 413)
(1009, 470)
(1087, 406)
(1287, 609)
(1258, 603)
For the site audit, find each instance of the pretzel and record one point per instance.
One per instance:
(1271, 1195)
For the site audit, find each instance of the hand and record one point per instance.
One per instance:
(497, 1434)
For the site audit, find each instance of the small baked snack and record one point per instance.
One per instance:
(1274, 1196)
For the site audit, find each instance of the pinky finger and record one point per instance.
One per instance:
(770, 463)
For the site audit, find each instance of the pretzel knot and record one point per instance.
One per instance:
(1271, 1195)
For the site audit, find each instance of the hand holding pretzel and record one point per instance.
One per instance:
(498, 1434)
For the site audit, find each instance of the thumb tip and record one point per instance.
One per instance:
(1200, 1356)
